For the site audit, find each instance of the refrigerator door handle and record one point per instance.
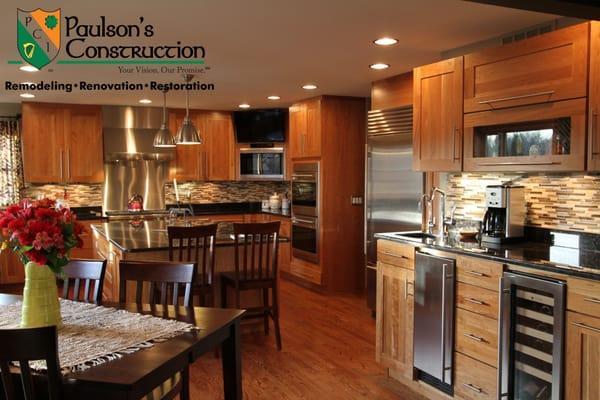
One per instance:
(504, 338)
(447, 318)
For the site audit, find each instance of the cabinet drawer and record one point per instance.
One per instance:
(398, 254)
(478, 272)
(474, 380)
(476, 299)
(584, 296)
(546, 67)
(477, 336)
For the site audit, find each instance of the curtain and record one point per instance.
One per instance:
(11, 164)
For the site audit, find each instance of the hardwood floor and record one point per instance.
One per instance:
(328, 353)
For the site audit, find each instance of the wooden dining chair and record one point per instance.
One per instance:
(163, 278)
(22, 346)
(196, 244)
(90, 274)
(256, 262)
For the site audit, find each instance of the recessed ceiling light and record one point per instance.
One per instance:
(379, 66)
(309, 86)
(145, 101)
(244, 105)
(28, 68)
(273, 97)
(385, 41)
(27, 95)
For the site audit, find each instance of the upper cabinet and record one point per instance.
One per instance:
(594, 99)
(305, 129)
(548, 67)
(438, 116)
(214, 159)
(62, 143)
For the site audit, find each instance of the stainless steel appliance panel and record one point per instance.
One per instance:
(531, 341)
(434, 316)
(305, 189)
(261, 163)
(393, 189)
(305, 243)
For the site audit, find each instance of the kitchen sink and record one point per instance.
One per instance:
(412, 235)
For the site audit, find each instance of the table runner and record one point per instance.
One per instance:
(92, 335)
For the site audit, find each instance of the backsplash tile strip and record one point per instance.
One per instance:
(558, 201)
(201, 192)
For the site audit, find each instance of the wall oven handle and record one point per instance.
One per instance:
(523, 96)
(584, 326)
(303, 221)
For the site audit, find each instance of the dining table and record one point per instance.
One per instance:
(134, 375)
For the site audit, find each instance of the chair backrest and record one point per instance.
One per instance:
(87, 272)
(163, 275)
(24, 345)
(256, 250)
(187, 242)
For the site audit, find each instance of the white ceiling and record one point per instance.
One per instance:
(256, 48)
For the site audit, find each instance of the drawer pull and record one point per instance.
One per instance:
(394, 255)
(523, 96)
(584, 326)
(475, 301)
(475, 273)
(474, 388)
(592, 300)
(473, 337)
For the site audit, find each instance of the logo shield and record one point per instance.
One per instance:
(38, 36)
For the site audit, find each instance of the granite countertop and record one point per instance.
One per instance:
(584, 263)
(151, 235)
(232, 208)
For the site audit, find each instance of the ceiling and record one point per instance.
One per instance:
(264, 47)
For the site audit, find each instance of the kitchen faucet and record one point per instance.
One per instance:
(427, 201)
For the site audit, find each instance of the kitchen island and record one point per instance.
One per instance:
(141, 240)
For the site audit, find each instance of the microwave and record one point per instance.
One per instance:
(261, 163)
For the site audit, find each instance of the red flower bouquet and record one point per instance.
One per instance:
(41, 232)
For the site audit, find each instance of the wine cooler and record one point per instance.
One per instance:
(532, 311)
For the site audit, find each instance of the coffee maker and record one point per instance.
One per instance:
(505, 215)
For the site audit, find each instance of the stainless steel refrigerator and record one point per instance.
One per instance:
(393, 189)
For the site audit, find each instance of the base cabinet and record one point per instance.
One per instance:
(582, 357)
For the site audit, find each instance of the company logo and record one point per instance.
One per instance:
(38, 36)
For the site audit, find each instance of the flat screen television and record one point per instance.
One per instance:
(260, 126)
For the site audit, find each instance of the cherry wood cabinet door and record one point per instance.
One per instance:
(43, 143)
(547, 67)
(11, 268)
(312, 141)
(395, 307)
(189, 163)
(438, 116)
(84, 146)
(297, 130)
(594, 99)
(582, 380)
(220, 147)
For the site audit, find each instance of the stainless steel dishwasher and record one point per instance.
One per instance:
(434, 319)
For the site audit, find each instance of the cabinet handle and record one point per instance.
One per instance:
(454, 153)
(405, 289)
(584, 326)
(473, 337)
(394, 255)
(492, 164)
(594, 133)
(61, 165)
(592, 300)
(205, 166)
(474, 388)
(475, 273)
(68, 164)
(523, 96)
(475, 301)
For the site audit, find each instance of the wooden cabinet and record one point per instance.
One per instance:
(548, 67)
(438, 116)
(594, 99)
(474, 380)
(396, 91)
(394, 319)
(12, 270)
(582, 364)
(305, 129)
(87, 250)
(62, 143)
(214, 158)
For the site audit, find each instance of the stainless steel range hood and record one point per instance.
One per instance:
(132, 165)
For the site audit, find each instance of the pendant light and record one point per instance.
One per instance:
(163, 137)
(187, 133)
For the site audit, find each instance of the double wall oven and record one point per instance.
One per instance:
(305, 211)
